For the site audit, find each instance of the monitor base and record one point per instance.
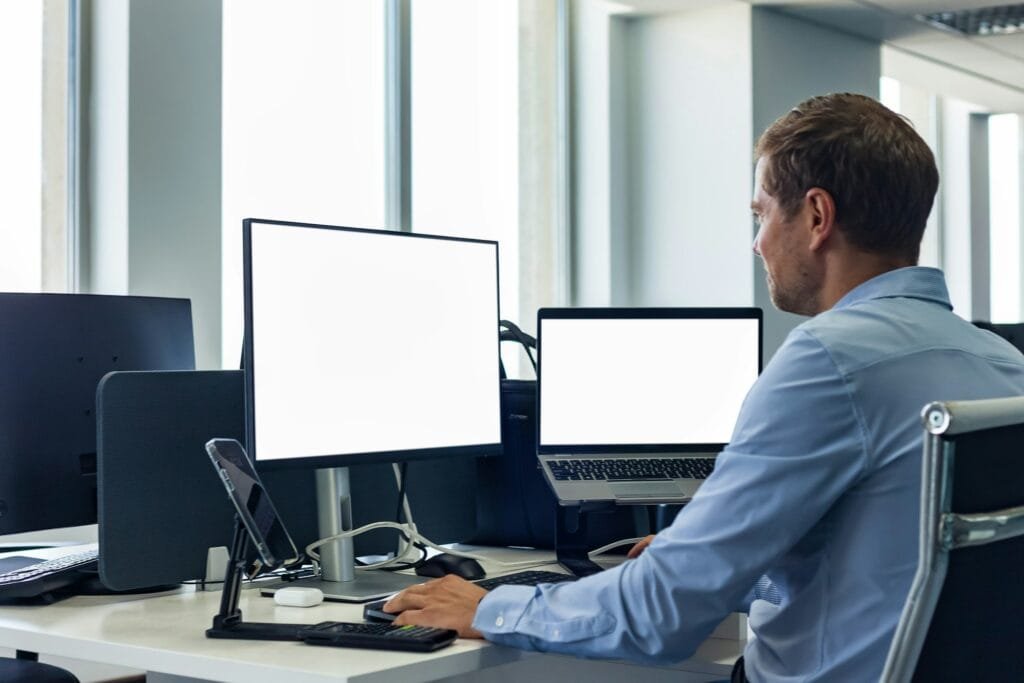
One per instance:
(368, 585)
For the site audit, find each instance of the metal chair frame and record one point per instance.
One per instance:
(942, 530)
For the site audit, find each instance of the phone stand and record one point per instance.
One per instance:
(228, 622)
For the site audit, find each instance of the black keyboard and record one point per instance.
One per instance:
(374, 611)
(528, 578)
(631, 469)
(46, 576)
(378, 636)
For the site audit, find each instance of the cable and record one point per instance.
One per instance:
(400, 472)
(403, 507)
(412, 537)
(614, 544)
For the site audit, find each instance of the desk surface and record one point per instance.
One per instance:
(165, 633)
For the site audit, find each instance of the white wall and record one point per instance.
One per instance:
(152, 223)
(959, 251)
(921, 107)
(689, 133)
(104, 240)
(590, 153)
(666, 110)
(794, 60)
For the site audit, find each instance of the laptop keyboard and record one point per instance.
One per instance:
(631, 469)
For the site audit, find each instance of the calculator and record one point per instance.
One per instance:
(378, 636)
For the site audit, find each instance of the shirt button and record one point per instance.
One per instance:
(499, 621)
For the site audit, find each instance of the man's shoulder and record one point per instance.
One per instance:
(883, 329)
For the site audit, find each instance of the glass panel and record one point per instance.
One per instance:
(21, 80)
(303, 123)
(465, 141)
(1004, 158)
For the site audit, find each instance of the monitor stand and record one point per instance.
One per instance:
(339, 579)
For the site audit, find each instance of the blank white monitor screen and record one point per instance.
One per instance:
(644, 381)
(370, 342)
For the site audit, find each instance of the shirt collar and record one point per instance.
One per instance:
(915, 282)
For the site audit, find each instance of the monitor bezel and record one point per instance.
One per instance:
(638, 313)
(346, 459)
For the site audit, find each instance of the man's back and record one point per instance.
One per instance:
(810, 516)
(893, 344)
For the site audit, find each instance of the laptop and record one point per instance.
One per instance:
(634, 404)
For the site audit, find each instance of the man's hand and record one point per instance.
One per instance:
(640, 547)
(448, 602)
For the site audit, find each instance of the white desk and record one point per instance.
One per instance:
(164, 634)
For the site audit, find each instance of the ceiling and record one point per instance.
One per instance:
(996, 58)
(996, 61)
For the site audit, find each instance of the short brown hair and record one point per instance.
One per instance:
(880, 173)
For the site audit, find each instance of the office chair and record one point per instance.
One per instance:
(963, 617)
(1011, 332)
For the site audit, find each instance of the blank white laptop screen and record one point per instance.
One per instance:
(644, 381)
(371, 342)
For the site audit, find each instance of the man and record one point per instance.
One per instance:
(810, 518)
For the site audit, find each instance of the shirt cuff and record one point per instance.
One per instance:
(545, 616)
(500, 609)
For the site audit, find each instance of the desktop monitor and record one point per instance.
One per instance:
(54, 350)
(366, 346)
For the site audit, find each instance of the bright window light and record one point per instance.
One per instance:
(303, 124)
(1004, 155)
(465, 142)
(21, 142)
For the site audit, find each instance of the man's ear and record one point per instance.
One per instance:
(823, 216)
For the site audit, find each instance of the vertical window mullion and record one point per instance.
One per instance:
(398, 111)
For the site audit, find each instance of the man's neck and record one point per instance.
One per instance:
(853, 271)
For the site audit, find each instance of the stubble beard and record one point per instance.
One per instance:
(799, 297)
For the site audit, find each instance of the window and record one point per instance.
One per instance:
(304, 114)
(465, 143)
(1004, 157)
(38, 62)
(303, 124)
(21, 79)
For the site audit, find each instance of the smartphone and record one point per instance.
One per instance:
(268, 534)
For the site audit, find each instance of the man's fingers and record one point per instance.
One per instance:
(410, 616)
(448, 602)
(637, 549)
(407, 599)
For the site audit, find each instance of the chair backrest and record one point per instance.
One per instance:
(1011, 332)
(963, 617)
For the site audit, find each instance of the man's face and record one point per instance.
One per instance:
(782, 243)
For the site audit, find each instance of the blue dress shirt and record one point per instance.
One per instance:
(810, 519)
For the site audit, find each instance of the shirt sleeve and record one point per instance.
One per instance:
(797, 445)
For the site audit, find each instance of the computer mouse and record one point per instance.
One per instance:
(440, 565)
